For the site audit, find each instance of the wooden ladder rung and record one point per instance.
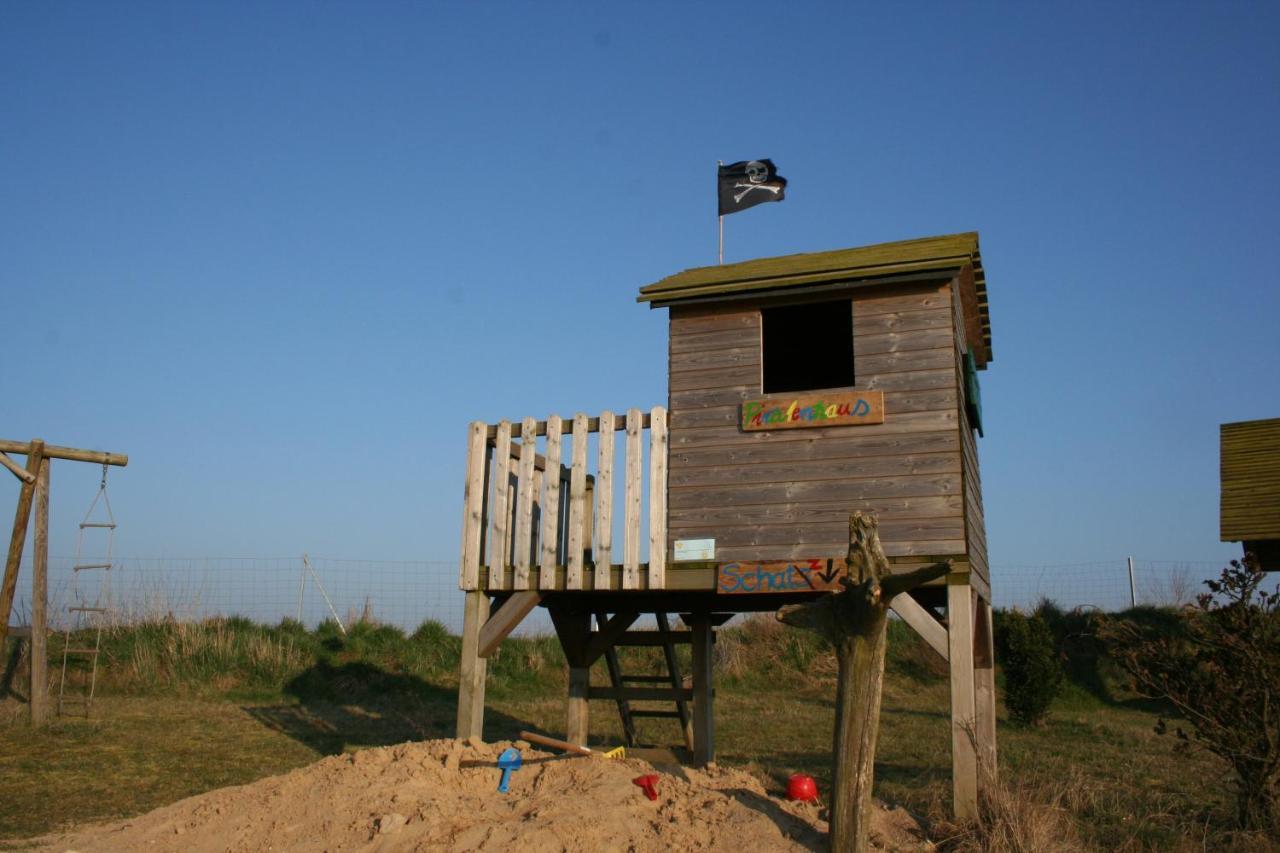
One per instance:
(87, 609)
(641, 694)
(108, 524)
(91, 566)
(647, 713)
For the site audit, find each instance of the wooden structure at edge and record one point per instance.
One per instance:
(1250, 498)
(543, 498)
(35, 491)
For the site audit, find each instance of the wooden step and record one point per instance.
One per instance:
(641, 694)
(641, 712)
(84, 566)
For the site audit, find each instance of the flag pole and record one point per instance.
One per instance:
(720, 217)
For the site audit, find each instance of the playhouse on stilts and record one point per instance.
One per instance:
(801, 388)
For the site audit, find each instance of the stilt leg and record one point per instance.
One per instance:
(40, 603)
(704, 723)
(574, 631)
(964, 759)
(472, 669)
(984, 681)
(577, 719)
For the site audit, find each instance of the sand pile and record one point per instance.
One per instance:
(441, 795)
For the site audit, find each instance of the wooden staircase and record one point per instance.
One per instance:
(661, 688)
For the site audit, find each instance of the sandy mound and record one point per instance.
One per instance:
(441, 795)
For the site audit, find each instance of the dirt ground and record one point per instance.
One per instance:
(442, 795)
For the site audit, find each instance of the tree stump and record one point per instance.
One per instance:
(854, 622)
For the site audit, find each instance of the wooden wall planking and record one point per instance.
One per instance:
(1249, 473)
(786, 494)
(975, 524)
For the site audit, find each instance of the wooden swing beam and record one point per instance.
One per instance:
(35, 489)
(74, 454)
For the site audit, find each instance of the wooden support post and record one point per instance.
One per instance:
(704, 720)
(40, 602)
(854, 621)
(35, 453)
(964, 756)
(984, 682)
(472, 667)
(577, 711)
(574, 631)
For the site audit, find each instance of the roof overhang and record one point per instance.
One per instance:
(927, 259)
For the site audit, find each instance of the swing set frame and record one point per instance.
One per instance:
(35, 491)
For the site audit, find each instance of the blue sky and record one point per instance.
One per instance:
(281, 254)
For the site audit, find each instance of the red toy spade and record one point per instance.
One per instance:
(649, 783)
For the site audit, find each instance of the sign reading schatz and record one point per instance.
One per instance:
(841, 408)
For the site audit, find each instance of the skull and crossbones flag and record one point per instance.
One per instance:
(748, 183)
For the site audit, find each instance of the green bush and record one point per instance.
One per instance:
(1219, 669)
(1032, 672)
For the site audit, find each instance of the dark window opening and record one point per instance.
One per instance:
(806, 347)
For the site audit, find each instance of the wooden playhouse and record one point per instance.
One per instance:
(1249, 501)
(801, 388)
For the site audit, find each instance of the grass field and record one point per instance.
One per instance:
(185, 708)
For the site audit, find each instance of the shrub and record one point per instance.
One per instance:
(1032, 673)
(1220, 670)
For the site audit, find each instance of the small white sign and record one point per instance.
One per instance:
(695, 549)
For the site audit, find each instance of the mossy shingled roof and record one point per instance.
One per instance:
(866, 264)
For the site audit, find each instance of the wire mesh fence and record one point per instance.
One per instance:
(407, 593)
(1109, 585)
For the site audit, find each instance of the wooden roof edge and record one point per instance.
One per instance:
(945, 247)
(1261, 423)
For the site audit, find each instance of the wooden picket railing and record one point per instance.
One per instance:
(532, 522)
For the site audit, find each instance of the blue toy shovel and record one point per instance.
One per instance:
(509, 760)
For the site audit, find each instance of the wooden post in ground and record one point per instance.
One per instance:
(704, 721)
(9, 585)
(577, 717)
(472, 667)
(964, 724)
(574, 632)
(984, 682)
(40, 602)
(854, 621)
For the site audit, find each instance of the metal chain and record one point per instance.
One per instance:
(103, 484)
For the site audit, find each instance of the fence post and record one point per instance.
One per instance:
(1133, 588)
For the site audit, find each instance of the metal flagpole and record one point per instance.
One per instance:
(720, 217)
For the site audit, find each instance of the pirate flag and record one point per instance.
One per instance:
(748, 183)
